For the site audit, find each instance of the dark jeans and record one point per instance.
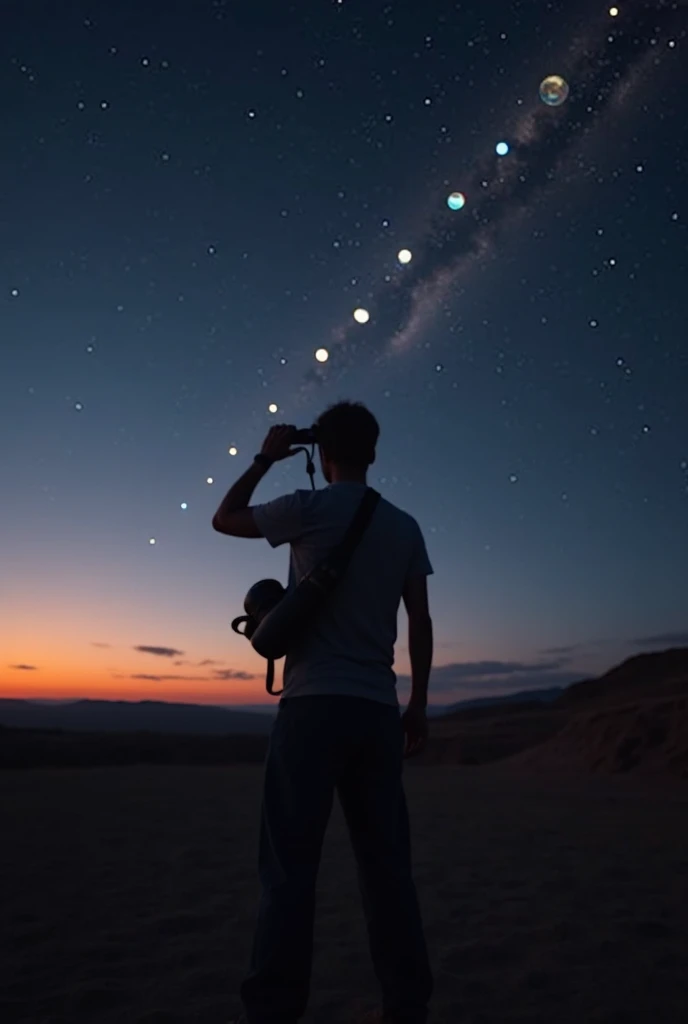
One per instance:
(317, 745)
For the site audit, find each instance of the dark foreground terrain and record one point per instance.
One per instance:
(129, 894)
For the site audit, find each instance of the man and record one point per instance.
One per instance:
(338, 725)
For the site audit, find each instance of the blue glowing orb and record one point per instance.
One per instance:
(456, 201)
(502, 148)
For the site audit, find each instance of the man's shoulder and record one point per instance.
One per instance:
(400, 516)
(323, 497)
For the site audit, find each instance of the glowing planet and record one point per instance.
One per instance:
(232, 450)
(322, 355)
(404, 255)
(502, 148)
(456, 201)
(553, 90)
(272, 407)
(613, 12)
(361, 316)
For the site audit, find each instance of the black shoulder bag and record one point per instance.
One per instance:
(276, 618)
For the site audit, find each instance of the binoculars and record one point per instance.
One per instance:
(306, 436)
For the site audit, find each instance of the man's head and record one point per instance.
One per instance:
(347, 436)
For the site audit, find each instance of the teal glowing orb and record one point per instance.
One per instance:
(502, 148)
(456, 201)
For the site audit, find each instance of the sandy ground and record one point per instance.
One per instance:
(129, 895)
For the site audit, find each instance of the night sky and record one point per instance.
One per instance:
(195, 198)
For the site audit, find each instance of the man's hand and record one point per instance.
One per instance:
(415, 723)
(277, 444)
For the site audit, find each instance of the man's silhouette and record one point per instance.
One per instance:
(338, 726)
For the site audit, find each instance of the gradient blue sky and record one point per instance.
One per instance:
(193, 202)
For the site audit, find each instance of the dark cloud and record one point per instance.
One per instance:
(161, 652)
(25, 668)
(199, 664)
(480, 669)
(495, 677)
(230, 673)
(222, 675)
(677, 639)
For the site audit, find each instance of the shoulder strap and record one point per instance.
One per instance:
(364, 513)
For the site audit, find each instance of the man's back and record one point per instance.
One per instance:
(345, 733)
(349, 650)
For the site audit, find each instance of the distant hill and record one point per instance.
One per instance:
(189, 719)
(634, 717)
(644, 676)
(648, 735)
(133, 716)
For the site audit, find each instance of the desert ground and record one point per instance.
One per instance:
(129, 895)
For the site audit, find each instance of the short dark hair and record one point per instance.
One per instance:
(347, 433)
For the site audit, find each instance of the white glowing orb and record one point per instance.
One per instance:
(184, 505)
(272, 407)
(404, 255)
(613, 12)
(209, 480)
(502, 148)
(361, 316)
(456, 201)
(322, 355)
(232, 450)
(152, 540)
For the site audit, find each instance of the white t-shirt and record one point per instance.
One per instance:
(349, 650)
